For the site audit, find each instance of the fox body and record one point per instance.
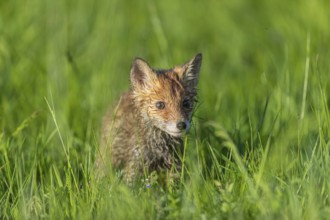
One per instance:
(144, 132)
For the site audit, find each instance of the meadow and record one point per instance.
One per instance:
(259, 147)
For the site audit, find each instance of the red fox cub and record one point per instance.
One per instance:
(143, 134)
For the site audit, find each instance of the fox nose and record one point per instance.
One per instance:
(181, 125)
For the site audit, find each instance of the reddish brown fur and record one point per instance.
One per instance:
(139, 138)
(166, 88)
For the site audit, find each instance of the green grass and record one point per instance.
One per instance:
(259, 147)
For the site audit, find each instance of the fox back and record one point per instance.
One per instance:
(143, 133)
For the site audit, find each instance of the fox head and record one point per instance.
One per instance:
(166, 98)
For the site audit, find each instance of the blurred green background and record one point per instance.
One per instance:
(258, 56)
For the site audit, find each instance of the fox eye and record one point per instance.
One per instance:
(160, 105)
(187, 103)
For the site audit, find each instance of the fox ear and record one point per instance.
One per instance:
(141, 73)
(190, 71)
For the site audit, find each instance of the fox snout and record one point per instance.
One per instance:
(181, 125)
(176, 129)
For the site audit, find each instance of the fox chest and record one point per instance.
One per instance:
(158, 154)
